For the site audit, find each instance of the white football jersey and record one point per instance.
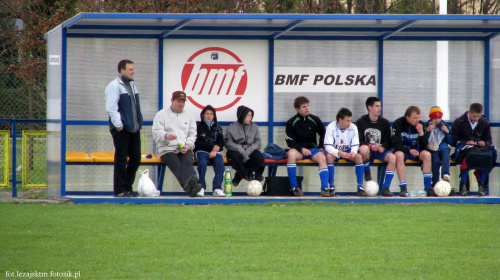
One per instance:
(337, 139)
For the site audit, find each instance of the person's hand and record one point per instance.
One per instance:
(445, 129)
(374, 148)
(350, 155)
(119, 128)
(414, 153)
(171, 136)
(305, 152)
(481, 143)
(216, 149)
(420, 129)
(470, 142)
(381, 149)
(184, 149)
(212, 154)
(430, 127)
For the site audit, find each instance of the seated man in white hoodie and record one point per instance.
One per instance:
(174, 130)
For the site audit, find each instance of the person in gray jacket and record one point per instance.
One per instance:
(242, 141)
(174, 131)
(125, 122)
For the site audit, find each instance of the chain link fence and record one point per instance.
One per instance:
(22, 99)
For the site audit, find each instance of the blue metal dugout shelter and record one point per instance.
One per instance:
(83, 53)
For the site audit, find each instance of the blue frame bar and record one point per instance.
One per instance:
(271, 92)
(487, 79)
(380, 73)
(64, 53)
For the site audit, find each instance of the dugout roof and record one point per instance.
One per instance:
(285, 26)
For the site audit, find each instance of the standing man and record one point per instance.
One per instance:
(302, 131)
(472, 130)
(410, 142)
(375, 142)
(174, 131)
(125, 122)
(342, 141)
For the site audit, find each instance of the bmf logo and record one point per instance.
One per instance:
(214, 76)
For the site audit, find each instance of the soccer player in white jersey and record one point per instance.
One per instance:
(342, 141)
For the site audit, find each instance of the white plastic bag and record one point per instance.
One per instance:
(435, 139)
(146, 186)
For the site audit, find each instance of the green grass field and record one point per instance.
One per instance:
(268, 241)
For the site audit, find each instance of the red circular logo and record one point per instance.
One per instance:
(214, 76)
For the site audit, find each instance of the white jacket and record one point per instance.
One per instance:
(182, 124)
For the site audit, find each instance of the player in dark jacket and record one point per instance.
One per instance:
(375, 142)
(302, 132)
(208, 147)
(469, 130)
(410, 142)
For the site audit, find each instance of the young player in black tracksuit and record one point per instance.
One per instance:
(410, 142)
(302, 132)
(375, 142)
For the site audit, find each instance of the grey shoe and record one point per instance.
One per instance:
(403, 191)
(297, 191)
(325, 193)
(463, 188)
(331, 191)
(481, 189)
(194, 191)
(191, 184)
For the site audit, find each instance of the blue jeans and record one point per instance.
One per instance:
(437, 157)
(218, 163)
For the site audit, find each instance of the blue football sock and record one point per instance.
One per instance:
(427, 180)
(360, 170)
(388, 179)
(331, 175)
(323, 175)
(464, 177)
(402, 185)
(291, 168)
(483, 177)
(367, 166)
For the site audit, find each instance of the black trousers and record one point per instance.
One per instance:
(127, 144)
(245, 169)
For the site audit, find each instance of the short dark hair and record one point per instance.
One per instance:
(123, 64)
(476, 108)
(343, 112)
(299, 101)
(411, 110)
(371, 100)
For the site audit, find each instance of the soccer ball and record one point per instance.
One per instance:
(254, 188)
(371, 188)
(442, 188)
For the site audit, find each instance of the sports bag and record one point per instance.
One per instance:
(279, 186)
(480, 157)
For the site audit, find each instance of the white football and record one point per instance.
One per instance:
(254, 188)
(371, 188)
(442, 188)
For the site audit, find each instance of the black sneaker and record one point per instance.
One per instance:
(403, 191)
(431, 192)
(297, 191)
(481, 191)
(362, 192)
(133, 193)
(325, 193)
(463, 188)
(237, 179)
(124, 194)
(368, 176)
(259, 178)
(331, 191)
(386, 192)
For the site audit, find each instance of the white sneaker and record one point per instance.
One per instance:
(218, 193)
(446, 177)
(201, 193)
